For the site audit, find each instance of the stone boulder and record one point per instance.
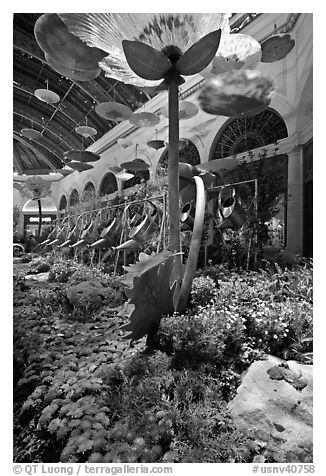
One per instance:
(39, 278)
(274, 407)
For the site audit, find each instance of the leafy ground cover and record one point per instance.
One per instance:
(82, 393)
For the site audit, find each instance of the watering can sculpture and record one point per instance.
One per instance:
(50, 236)
(88, 236)
(140, 231)
(61, 233)
(72, 236)
(109, 235)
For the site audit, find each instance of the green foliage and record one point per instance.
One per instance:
(152, 292)
(83, 394)
(211, 337)
(203, 290)
(276, 306)
(61, 271)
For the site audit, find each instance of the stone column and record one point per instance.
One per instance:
(295, 201)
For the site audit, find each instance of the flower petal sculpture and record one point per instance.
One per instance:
(235, 52)
(276, 47)
(170, 34)
(65, 52)
(39, 188)
(237, 93)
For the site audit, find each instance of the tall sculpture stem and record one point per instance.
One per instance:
(173, 174)
(39, 218)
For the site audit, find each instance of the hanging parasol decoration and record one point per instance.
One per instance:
(72, 73)
(235, 52)
(79, 166)
(125, 143)
(238, 93)
(31, 133)
(135, 165)
(65, 52)
(47, 96)
(81, 156)
(123, 176)
(157, 143)
(276, 47)
(120, 173)
(86, 131)
(187, 110)
(113, 111)
(144, 119)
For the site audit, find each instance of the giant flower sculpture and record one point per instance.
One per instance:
(147, 49)
(153, 49)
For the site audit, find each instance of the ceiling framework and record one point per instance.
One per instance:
(56, 122)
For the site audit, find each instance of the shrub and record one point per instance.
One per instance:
(203, 290)
(61, 271)
(211, 336)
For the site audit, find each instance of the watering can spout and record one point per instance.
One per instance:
(78, 244)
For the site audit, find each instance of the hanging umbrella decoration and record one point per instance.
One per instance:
(121, 176)
(135, 165)
(86, 131)
(78, 159)
(113, 111)
(46, 95)
(158, 49)
(39, 188)
(156, 143)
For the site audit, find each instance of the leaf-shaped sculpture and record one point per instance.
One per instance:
(151, 294)
(145, 61)
(55, 40)
(199, 54)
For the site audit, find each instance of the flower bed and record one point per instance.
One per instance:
(83, 394)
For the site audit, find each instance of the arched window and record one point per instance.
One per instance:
(74, 198)
(188, 154)
(242, 134)
(63, 203)
(108, 184)
(88, 192)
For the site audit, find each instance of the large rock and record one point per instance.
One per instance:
(274, 406)
(39, 278)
